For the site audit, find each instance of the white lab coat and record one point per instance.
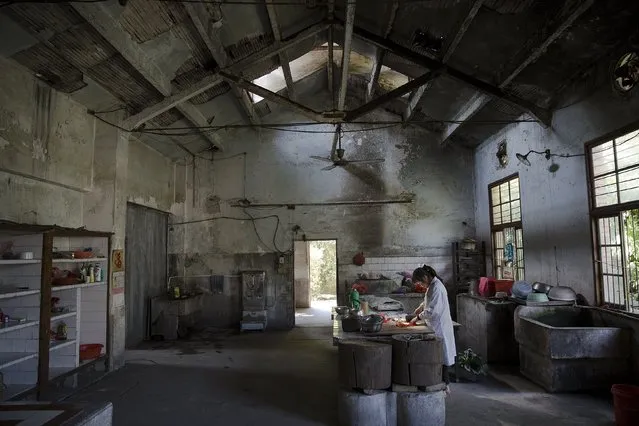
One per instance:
(437, 312)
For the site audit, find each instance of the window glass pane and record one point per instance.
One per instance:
(505, 213)
(504, 190)
(613, 290)
(611, 260)
(494, 196)
(514, 189)
(627, 148)
(497, 216)
(516, 211)
(629, 185)
(603, 158)
(605, 190)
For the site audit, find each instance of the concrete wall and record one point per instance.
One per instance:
(58, 165)
(556, 225)
(279, 170)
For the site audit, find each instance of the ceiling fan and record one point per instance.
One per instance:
(337, 154)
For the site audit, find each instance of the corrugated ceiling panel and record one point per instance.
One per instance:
(83, 46)
(146, 19)
(248, 46)
(51, 68)
(123, 81)
(43, 18)
(187, 79)
(191, 37)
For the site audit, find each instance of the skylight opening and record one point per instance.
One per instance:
(273, 81)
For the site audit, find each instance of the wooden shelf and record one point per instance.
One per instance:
(18, 293)
(8, 359)
(19, 261)
(59, 344)
(17, 326)
(69, 287)
(89, 260)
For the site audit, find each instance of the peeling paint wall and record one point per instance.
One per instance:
(58, 165)
(279, 170)
(556, 224)
(150, 177)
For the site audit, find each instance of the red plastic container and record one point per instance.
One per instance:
(90, 351)
(486, 286)
(626, 399)
(504, 285)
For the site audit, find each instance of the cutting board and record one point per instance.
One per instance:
(390, 329)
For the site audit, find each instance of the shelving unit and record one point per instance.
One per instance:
(468, 265)
(29, 358)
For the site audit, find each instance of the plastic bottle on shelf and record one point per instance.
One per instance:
(98, 273)
(91, 274)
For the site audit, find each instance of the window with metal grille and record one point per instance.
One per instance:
(614, 194)
(506, 229)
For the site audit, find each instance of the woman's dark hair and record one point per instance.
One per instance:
(420, 274)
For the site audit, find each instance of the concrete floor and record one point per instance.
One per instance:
(291, 379)
(318, 315)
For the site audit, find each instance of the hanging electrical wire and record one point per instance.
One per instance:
(302, 3)
(253, 220)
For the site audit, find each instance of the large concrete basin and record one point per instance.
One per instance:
(568, 349)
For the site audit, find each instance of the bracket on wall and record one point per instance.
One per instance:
(502, 154)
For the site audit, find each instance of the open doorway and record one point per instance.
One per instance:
(315, 282)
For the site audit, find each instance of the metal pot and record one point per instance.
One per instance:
(372, 323)
(562, 294)
(541, 287)
(342, 310)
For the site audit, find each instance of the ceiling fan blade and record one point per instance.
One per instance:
(329, 167)
(371, 161)
(315, 157)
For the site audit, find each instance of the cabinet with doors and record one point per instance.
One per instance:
(53, 302)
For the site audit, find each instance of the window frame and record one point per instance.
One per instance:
(601, 212)
(517, 225)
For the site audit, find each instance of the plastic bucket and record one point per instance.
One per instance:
(626, 400)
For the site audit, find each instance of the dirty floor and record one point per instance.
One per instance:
(291, 379)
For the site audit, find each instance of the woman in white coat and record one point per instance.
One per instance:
(436, 310)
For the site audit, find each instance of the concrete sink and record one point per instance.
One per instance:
(571, 349)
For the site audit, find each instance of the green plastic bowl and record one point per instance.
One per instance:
(537, 297)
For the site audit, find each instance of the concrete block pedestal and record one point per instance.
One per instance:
(385, 408)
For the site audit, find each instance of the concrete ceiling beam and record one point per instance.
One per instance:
(210, 33)
(330, 59)
(414, 100)
(378, 60)
(543, 115)
(282, 100)
(376, 70)
(103, 18)
(346, 53)
(395, 93)
(461, 31)
(283, 57)
(477, 103)
(466, 112)
(213, 80)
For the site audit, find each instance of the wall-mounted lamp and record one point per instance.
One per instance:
(523, 158)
